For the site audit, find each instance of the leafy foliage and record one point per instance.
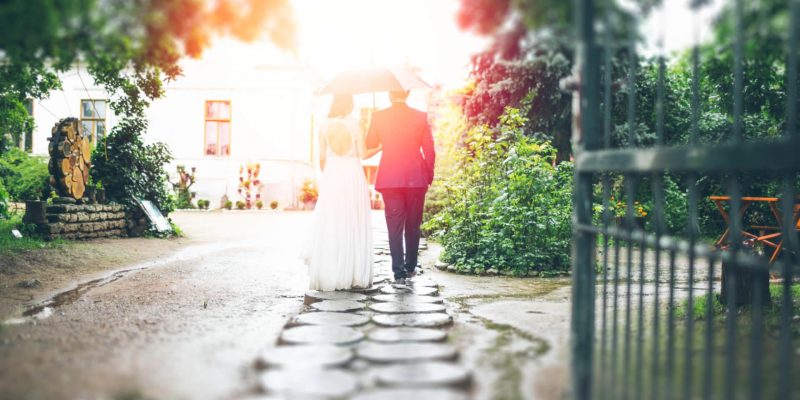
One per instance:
(129, 47)
(507, 207)
(133, 168)
(24, 176)
(3, 200)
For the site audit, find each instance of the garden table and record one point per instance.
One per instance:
(773, 239)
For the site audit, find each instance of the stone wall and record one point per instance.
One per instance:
(77, 222)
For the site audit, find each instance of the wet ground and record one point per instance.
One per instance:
(188, 324)
(513, 332)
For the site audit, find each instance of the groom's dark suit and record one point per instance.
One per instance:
(404, 174)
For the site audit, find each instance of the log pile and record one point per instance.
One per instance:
(70, 158)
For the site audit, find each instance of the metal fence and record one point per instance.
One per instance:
(635, 333)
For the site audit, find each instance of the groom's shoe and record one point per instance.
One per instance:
(400, 281)
(412, 272)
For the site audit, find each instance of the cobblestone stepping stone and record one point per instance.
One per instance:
(321, 334)
(305, 356)
(338, 305)
(430, 373)
(432, 320)
(420, 282)
(405, 352)
(370, 290)
(309, 383)
(415, 394)
(406, 394)
(331, 318)
(398, 289)
(404, 308)
(313, 296)
(407, 298)
(406, 334)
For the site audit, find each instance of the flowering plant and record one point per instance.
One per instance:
(620, 208)
(249, 183)
(309, 192)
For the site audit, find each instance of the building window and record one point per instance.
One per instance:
(93, 119)
(218, 128)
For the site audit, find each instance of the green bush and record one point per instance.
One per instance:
(24, 176)
(507, 207)
(3, 201)
(130, 168)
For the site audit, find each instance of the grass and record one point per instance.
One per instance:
(696, 365)
(10, 244)
(700, 305)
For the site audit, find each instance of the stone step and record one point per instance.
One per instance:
(330, 318)
(338, 305)
(319, 334)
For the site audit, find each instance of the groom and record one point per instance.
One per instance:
(404, 174)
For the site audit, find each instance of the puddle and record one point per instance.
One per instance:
(46, 308)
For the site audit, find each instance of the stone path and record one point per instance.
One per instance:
(388, 342)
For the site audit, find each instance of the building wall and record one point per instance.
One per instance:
(271, 124)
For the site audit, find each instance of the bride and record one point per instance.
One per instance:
(340, 251)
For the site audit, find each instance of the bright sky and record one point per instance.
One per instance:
(678, 26)
(335, 35)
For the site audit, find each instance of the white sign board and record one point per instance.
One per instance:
(154, 215)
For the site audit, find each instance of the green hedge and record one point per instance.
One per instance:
(507, 207)
(3, 200)
(129, 168)
(24, 176)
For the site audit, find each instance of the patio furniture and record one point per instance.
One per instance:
(768, 235)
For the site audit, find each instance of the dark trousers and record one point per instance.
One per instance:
(403, 218)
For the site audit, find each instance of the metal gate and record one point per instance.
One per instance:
(628, 339)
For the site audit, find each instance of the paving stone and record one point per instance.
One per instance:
(313, 296)
(407, 298)
(406, 334)
(404, 308)
(305, 356)
(370, 290)
(331, 318)
(398, 289)
(405, 352)
(432, 320)
(419, 282)
(321, 334)
(338, 305)
(429, 373)
(308, 383)
(406, 394)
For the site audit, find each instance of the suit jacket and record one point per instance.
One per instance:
(408, 154)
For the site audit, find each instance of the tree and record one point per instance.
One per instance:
(129, 47)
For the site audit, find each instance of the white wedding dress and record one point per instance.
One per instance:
(339, 254)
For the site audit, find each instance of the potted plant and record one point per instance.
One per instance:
(309, 193)
(240, 205)
(228, 205)
(259, 204)
(273, 204)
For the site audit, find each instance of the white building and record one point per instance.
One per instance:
(240, 104)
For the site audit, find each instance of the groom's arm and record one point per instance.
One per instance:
(428, 150)
(373, 140)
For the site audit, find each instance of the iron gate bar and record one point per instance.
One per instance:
(597, 162)
(777, 155)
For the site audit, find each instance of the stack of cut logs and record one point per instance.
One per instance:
(70, 158)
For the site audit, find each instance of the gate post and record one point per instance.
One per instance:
(585, 135)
